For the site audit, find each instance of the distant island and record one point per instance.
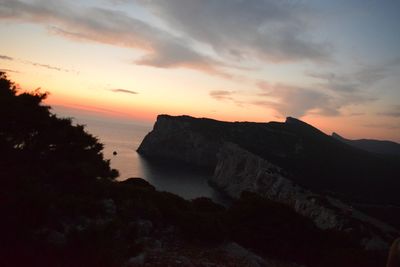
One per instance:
(61, 204)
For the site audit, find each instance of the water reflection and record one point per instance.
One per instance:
(180, 179)
(124, 137)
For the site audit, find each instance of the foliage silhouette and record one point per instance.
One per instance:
(32, 137)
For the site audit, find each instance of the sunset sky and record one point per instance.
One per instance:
(334, 64)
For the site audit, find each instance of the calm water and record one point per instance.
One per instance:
(124, 137)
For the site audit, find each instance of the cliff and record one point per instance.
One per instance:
(292, 163)
(238, 171)
(314, 160)
(174, 138)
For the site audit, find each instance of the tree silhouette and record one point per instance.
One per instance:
(36, 144)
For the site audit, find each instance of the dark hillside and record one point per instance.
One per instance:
(374, 146)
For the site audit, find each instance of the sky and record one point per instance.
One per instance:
(333, 64)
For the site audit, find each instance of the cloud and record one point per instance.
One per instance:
(6, 57)
(395, 112)
(272, 31)
(289, 100)
(286, 100)
(263, 30)
(390, 114)
(295, 101)
(8, 70)
(327, 96)
(382, 126)
(47, 66)
(356, 114)
(161, 49)
(350, 82)
(175, 54)
(228, 96)
(124, 91)
(222, 95)
(335, 82)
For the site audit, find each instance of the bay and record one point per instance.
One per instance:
(124, 137)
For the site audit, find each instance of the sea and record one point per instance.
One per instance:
(124, 137)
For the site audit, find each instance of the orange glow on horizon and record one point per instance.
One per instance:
(97, 70)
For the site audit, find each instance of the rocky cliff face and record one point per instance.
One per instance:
(238, 170)
(245, 157)
(315, 160)
(172, 138)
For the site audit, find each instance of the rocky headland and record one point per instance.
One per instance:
(291, 163)
(313, 159)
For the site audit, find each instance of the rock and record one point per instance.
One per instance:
(239, 170)
(375, 243)
(294, 144)
(52, 236)
(157, 245)
(183, 261)
(244, 157)
(143, 227)
(139, 260)
(249, 258)
(138, 182)
(109, 206)
(82, 223)
(174, 138)
(57, 238)
(394, 254)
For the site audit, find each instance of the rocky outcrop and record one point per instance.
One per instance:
(315, 160)
(394, 254)
(174, 138)
(239, 170)
(249, 157)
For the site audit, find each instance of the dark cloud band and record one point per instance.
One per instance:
(124, 91)
(6, 57)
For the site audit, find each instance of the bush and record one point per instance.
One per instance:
(37, 145)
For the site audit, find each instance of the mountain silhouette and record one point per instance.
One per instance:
(371, 145)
